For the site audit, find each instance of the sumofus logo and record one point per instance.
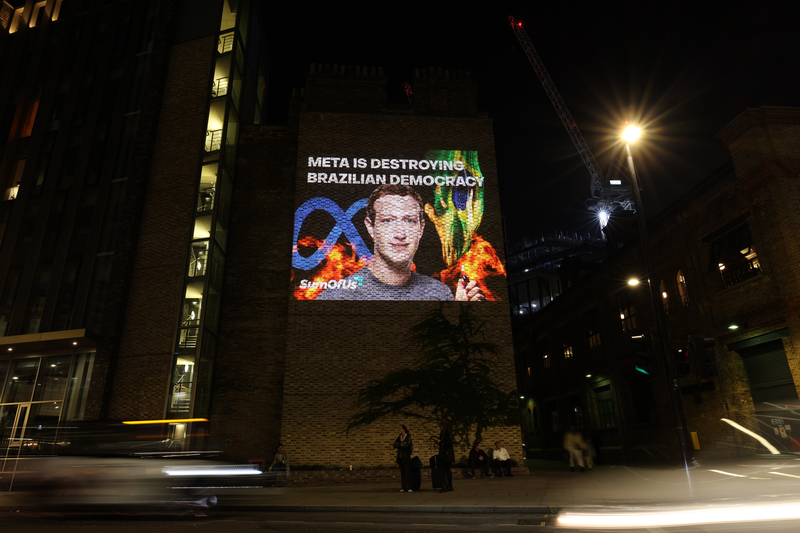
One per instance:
(332, 284)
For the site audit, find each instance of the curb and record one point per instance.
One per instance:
(440, 509)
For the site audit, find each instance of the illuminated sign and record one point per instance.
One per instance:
(393, 229)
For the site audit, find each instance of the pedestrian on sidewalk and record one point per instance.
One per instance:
(574, 444)
(479, 460)
(280, 463)
(404, 448)
(501, 460)
(589, 454)
(447, 456)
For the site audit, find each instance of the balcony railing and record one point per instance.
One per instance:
(219, 87)
(225, 44)
(738, 273)
(205, 200)
(213, 140)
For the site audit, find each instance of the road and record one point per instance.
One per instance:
(246, 522)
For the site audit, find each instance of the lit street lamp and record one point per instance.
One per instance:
(630, 135)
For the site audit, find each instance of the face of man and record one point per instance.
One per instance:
(497, 445)
(396, 230)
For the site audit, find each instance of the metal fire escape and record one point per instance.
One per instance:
(606, 196)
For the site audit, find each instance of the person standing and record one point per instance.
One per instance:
(501, 460)
(447, 455)
(479, 460)
(404, 448)
(281, 462)
(573, 443)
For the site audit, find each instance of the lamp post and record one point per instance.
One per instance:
(629, 135)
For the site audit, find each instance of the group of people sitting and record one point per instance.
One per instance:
(499, 461)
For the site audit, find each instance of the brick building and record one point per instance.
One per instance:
(725, 260)
(146, 260)
(316, 355)
(120, 123)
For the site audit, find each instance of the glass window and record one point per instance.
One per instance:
(627, 312)
(225, 192)
(98, 293)
(664, 297)
(180, 401)
(20, 381)
(592, 328)
(30, 118)
(78, 389)
(229, 8)
(216, 274)
(566, 343)
(204, 375)
(198, 259)
(41, 428)
(545, 351)
(605, 412)
(682, 290)
(734, 255)
(3, 369)
(33, 313)
(52, 381)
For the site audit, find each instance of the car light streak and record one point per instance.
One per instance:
(726, 473)
(772, 449)
(681, 516)
(228, 470)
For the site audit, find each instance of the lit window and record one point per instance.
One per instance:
(734, 255)
(15, 20)
(12, 188)
(664, 297)
(592, 329)
(566, 344)
(38, 13)
(30, 118)
(682, 290)
(627, 312)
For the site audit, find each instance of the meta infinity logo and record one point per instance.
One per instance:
(344, 225)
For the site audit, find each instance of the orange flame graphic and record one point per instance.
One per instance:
(479, 262)
(340, 263)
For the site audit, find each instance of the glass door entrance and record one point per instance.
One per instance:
(13, 420)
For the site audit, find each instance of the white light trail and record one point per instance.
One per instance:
(772, 449)
(682, 516)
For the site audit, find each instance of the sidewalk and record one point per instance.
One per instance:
(549, 488)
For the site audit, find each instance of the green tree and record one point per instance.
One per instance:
(451, 379)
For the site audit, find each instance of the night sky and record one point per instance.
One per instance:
(681, 69)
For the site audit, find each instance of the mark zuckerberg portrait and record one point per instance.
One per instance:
(395, 221)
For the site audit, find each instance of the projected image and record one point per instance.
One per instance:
(393, 229)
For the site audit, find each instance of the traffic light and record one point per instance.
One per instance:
(645, 355)
(702, 350)
(681, 356)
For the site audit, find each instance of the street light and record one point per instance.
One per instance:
(629, 135)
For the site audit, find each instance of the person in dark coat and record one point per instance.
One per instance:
(479, 460)
(447, 455)
(404, 448)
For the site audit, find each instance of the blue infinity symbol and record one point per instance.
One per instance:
(344, 224)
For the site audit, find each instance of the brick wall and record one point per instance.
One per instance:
(335, 348)
(761, 186)
(251, 349)
(145, 355)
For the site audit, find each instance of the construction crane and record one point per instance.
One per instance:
(605, 196)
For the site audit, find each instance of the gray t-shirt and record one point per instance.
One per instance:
(363, 285)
